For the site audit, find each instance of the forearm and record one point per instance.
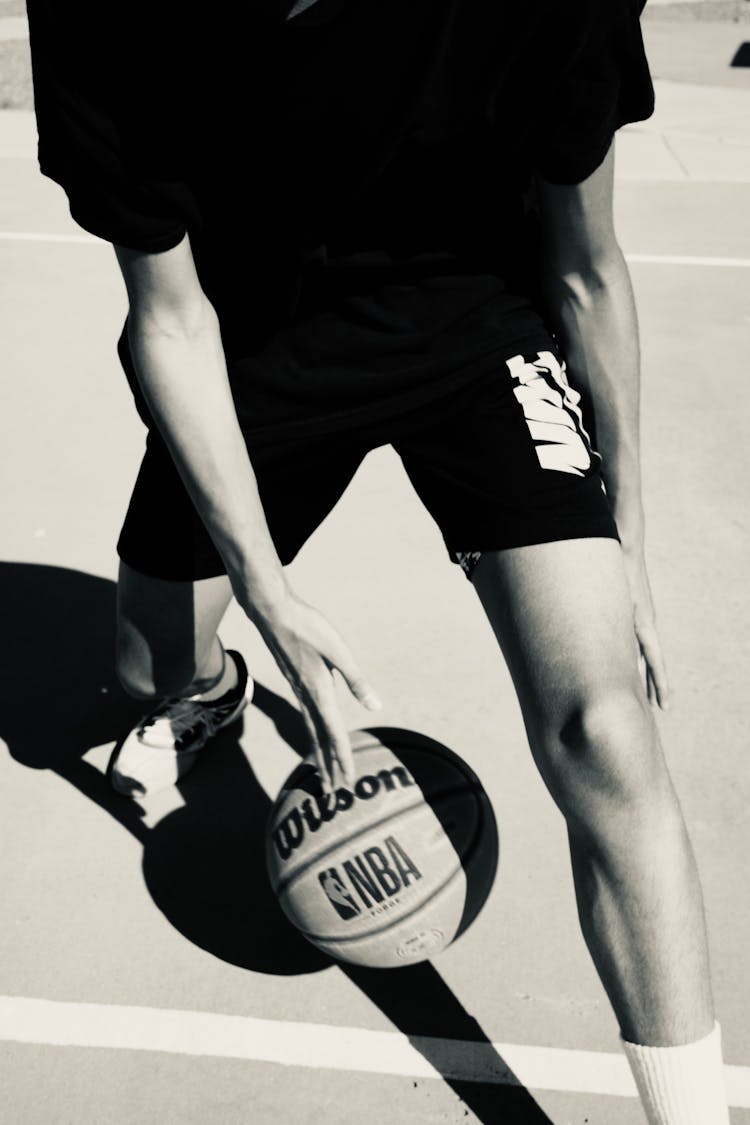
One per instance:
(181, 368)
(594, 315)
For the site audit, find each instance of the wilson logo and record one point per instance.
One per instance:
(370, 880)
(319, 808)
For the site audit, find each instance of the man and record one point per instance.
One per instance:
(352, 224)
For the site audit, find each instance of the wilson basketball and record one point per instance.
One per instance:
(391, 871)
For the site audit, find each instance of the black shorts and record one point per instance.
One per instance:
(503, 460)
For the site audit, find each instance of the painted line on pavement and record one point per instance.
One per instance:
(320, 1046)
(43, 236)
(655, 259)
(688, 260)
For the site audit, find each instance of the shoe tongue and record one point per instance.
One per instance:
(162, 737)
(168, 725)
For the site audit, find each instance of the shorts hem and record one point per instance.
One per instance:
(187, 570)
(170, 571)
(557, 531)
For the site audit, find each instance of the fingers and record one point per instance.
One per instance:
(654, 667)
(331, 739)
(308, 649)
(328, 734)
(336, 654)
(657, 683)
(325, 727)
(339, 657)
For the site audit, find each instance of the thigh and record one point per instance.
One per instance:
(564, 620)
(563, 616)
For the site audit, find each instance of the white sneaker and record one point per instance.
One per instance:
(165, 744)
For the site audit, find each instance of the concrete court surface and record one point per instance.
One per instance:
(143, 927)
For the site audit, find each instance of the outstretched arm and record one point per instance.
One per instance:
(590, 305)
(179, 359)
(176, 346)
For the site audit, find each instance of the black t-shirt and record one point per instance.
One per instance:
(352, 179)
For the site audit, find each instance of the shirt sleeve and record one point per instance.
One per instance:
(95, 136)
(597, 81)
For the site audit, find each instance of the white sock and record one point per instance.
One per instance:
(681, 1085)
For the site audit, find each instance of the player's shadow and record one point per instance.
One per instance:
(203, 863)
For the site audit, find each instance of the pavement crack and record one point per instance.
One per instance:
(674, 155)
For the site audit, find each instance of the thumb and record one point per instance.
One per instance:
(361, 690)
(358, 685)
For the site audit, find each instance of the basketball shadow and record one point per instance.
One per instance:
(204, 863)
(473, 833)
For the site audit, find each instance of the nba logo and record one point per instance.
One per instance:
(338, 896)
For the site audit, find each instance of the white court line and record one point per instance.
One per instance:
(688, 260)
(655, 259)
(40, 236)
(320, 1046)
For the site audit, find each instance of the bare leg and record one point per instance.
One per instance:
(563, 617)
(167, 641)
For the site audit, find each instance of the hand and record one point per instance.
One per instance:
(644, 622)
(307, 649)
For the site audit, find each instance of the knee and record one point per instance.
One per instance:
(135, 679)
(602, 756)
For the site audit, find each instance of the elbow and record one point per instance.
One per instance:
(190, 320)
(585, 281)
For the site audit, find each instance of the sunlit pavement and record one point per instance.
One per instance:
(109, 906)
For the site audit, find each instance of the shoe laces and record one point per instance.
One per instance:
(182, 717)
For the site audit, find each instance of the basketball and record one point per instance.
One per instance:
(390, 872)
